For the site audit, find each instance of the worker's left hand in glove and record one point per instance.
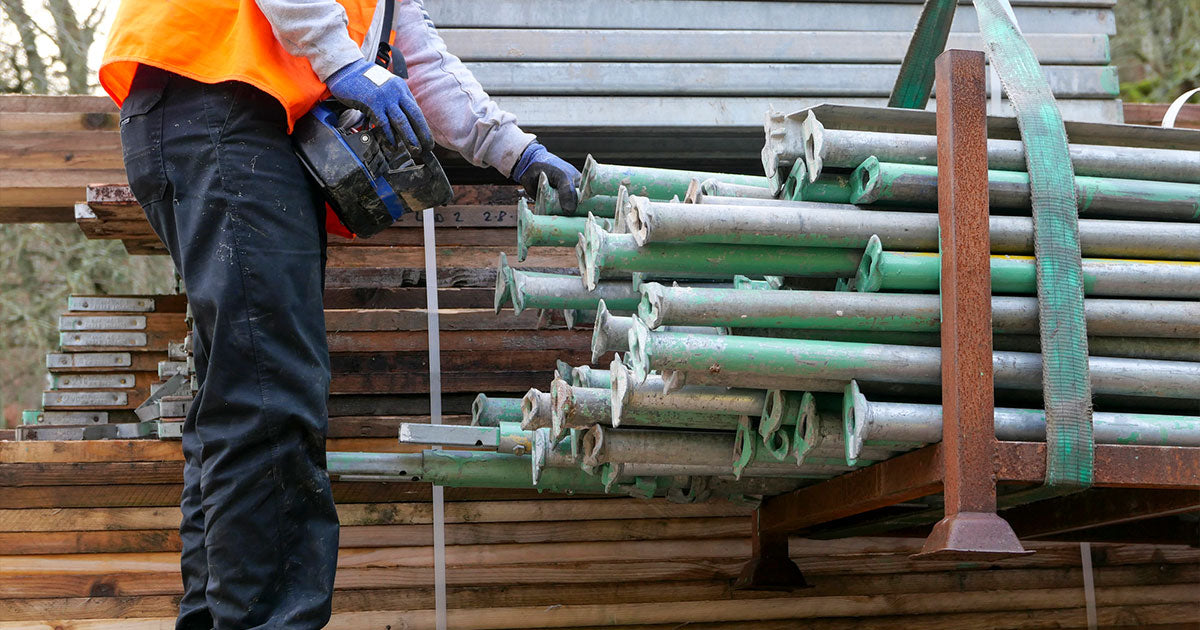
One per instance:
(385, 98)
(563, 177)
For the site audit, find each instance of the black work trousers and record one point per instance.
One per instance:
(213, 167)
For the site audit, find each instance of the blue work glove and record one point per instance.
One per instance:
(385, 99)
(561, 175)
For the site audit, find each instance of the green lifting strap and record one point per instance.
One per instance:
(915, 80)
(1070, 450)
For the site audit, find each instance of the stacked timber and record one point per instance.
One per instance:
(88, 541)
(781, 330)
(375, 306)
(110, 352)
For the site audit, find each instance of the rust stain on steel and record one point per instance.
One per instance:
(1098, 507)
(967, 389)
(1117, 465)
(109, 194)
(770, 568)
(971, 529)
(910, 476)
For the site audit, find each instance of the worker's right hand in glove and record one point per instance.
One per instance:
(537, 160)
(385, 99)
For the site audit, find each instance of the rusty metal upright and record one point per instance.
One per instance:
(971, 529)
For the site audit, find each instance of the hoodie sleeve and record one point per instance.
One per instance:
(313, 29)
(461, 115)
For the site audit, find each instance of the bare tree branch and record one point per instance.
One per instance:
(26, 27)
(73, 41)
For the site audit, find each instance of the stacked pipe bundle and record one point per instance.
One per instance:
(754, 334)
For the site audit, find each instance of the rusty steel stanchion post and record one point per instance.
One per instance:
(971, 529)
(770, 568)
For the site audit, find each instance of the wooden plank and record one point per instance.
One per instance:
(59, 497)
(1152, 114)
(403, 365)
(813, 556)
(470, 257)
(366, 320)
(404, 297)
(167, 540)
(601, 593)
(92, 451)
(364, 514)
(1112, 617)
(391, 383)
(455, 340)
(56, 150)
(40, 103)
(407, 364)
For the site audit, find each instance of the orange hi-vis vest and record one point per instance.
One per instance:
(213, 41)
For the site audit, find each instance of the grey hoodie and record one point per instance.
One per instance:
(461, 115)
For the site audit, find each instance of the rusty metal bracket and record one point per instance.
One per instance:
(770, 568)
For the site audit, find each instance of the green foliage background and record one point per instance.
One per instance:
(1157, 49)
(40, 265)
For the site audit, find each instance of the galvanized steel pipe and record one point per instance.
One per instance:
(628, 397)
(810, 224)
(546, 202)
(719, 188)
(673, 380)
(582, 407)
(820, 434)
(603, 251)
(610, 333)
(732, 355)
(917, 271)
(555, 291)
(587, 376)
(657, 183)
(899, 312)
(548, 231)
(909, 184)
(845, 148)
(777, 471)
(885, 424)
(602, 445)
(536, 410)
(490, 412)
(461, 469)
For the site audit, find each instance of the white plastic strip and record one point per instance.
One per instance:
(435, 416)
(1089, 584)
(1168, 120)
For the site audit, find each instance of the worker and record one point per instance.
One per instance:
(209, 91)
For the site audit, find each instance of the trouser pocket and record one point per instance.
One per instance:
(141, 135)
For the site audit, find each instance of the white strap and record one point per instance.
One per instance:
(435, 415)
(1089, 584)
(1176, 107)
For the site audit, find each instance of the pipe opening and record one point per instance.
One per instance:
(477, 408)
